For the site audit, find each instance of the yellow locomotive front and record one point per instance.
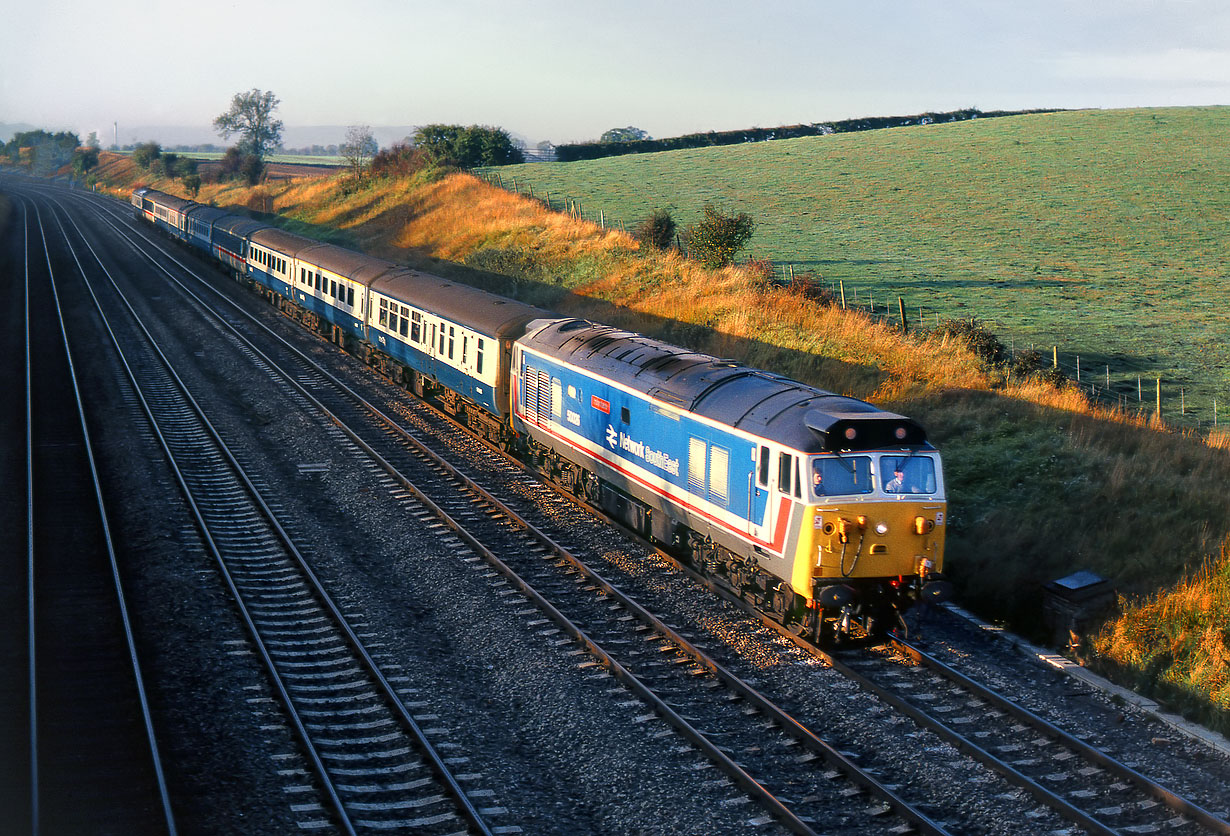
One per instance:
(872, 536)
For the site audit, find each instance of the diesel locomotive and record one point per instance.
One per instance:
(825, 511)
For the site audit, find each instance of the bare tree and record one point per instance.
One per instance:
(358, 149)
(251, 116)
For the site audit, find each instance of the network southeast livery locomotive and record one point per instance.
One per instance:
(823, 510)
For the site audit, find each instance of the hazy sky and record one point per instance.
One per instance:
(570, 69)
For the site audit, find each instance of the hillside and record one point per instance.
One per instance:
(1040, 484)
(1099, 232)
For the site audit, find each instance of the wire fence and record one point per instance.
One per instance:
(1123, 389)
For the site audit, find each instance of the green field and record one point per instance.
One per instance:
(1101, 232)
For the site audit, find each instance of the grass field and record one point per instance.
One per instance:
(1100, 232)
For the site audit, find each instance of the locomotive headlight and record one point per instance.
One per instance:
(922, 525)
(881, 528)
(862, 522)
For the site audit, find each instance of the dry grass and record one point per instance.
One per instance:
(1176, 643)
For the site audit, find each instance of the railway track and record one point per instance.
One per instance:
(374, 767)
(91, 752)
(557, 575)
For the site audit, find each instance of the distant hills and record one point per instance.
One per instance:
(293, 136)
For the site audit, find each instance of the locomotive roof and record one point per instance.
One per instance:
(764, 404)
(484, 312)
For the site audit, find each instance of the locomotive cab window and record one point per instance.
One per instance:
(762, 477)
(785, 469)
(840, 476)
(907, 474)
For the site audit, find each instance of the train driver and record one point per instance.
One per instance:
(897, 483)
(817, 480)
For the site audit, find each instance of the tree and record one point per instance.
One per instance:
(145, 154)
(84, 159)
(657, 230)
(454, 145)
(358, 149)
(43, 152)
(91, 141)
(628, 134)
(715, 238)
(251, 116)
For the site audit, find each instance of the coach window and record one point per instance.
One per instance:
(464, 344)
(452, 335)
(432, 342)
(763, 476)
(350, 296)
(416, 327)
(441, 349)
(384, 313)
(478, 359)
(405, 321)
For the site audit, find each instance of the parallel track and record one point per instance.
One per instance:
(93, 754)
(375, 767)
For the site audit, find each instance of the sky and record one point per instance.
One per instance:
(567, 71)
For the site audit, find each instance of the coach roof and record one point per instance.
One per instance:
(478, 310)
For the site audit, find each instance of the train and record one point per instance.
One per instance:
(822, 510)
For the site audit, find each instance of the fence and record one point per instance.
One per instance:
(1113, 389)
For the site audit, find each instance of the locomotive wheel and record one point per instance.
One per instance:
(783, 601)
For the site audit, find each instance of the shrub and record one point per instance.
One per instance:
(716, 238)
(985, 345)
(658, 230)
(401, 160)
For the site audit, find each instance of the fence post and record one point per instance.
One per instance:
(842, 282)
(905, 327)
(1159, 397)
(1055, 356)
(1078, 368)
